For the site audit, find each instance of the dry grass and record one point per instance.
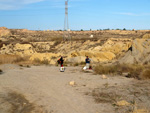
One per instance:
(105, 97)
(99, 69)
(39, 62)
(46, 62)
(79, 64)
(146, 36)
(133, 71)
(10, 59)
(1, 71)
(145, 74)
(16, 103)
(25, 65)
(136, 93)
(36, 36)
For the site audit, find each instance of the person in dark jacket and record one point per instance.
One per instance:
(61, 61)
(87, 61)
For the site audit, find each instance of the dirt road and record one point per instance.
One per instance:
(49, 90)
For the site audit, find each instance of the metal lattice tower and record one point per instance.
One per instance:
(66, 24)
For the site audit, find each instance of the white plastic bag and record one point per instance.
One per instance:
(84, 68)
(62, 69)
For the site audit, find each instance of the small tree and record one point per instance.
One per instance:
(106, 29)
(124, 28)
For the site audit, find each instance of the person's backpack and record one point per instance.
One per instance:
(58, 61)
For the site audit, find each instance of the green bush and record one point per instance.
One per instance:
(124, 29)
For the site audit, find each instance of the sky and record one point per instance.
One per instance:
(82, 14)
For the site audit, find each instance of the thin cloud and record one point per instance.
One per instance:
(146, 14)
(15, 4)
(7, 7)
(133, 14)
(60, 4)
(31, 1)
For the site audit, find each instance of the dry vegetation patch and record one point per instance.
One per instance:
(145, 74)
(37, 61)
(105, 97)
(132, 71)
(14, 102)
(79, 64)
(1, 71)
(136, 94)
(10, 59)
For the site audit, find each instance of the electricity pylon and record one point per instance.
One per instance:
(66, 24)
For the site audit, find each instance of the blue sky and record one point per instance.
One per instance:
(83, 14)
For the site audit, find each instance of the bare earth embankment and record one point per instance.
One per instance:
(43, 89)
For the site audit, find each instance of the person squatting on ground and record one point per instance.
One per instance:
(87, 61)
(61, 61)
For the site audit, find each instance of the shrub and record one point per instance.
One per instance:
(9, 59)
(81, 63)
(104, 96)
(105, 69)
(18, 103)
(20, 59)
(76, 64)
(106, 29)
(45, 61)
(124, 29)
(146, 36)
(38, 61)
(1, 71)
(133, 71)
(145, 74)
(57, 43)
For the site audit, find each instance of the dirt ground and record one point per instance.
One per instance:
(44, 89)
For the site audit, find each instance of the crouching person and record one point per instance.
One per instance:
(87, 61)
(61, 61)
